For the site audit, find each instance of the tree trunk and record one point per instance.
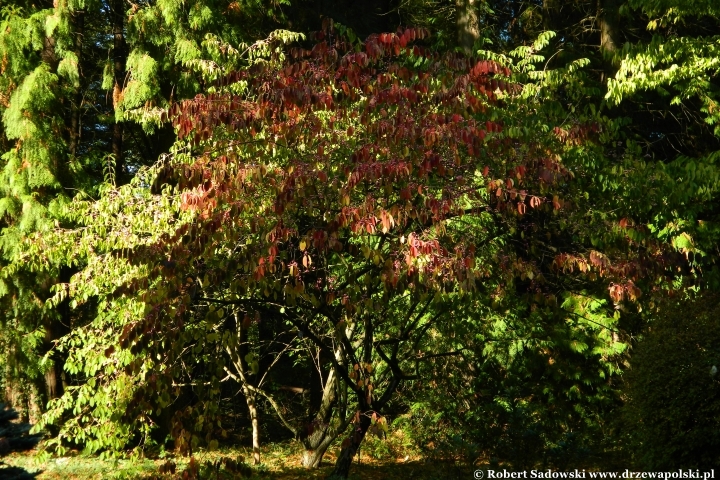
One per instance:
(313, 458)
(34, 405)
(48, 53)
(344, 461)
(608, 23)
(322, 435)
(53, 377)
(55, 329)
(251, 392)
(53, 381)
(119, 59)
(468, 27)
(367, 403)
(317, 443)
(79, 24)
(251, 399)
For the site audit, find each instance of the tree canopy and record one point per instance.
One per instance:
(460, 226)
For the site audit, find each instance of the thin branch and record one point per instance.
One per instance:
(444, 354)
(267, 370)
(340, 369)
(196, 384)
(271, 400)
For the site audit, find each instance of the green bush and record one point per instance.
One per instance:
(532, 390)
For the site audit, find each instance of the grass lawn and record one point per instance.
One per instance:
(279, 461)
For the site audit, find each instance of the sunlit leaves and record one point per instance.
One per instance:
(354, 193)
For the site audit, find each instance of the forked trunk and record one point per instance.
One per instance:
(322, 435)
(344, 461)
(550, 14)
(317, 444)
(313, 458)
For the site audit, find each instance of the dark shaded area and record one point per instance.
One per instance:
(15, 473)
(14, 437)
(364, 18)
(412, 469)
(672, 414)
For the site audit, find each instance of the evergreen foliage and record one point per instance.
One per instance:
(64, 116)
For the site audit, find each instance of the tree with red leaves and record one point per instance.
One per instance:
(353, 191)
(349, 184)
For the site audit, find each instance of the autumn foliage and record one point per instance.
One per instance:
(364, 144)
(334, 186)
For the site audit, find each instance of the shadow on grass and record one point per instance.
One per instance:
(15, 473)
(422, 470)
(14, 437)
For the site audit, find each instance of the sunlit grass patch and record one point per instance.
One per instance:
(378, 459)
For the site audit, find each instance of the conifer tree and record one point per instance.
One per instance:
(83, 91)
